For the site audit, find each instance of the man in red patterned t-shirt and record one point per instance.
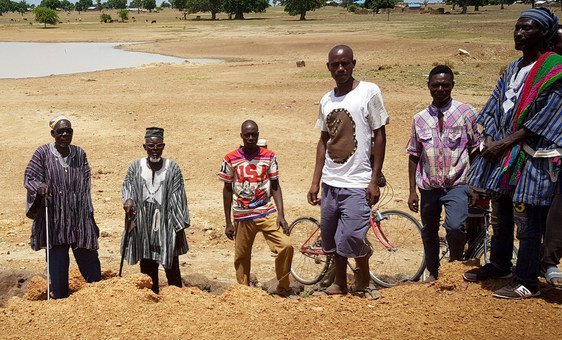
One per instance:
(250, 180)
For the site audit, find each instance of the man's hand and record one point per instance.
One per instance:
(43, 189)
(493, 150)
(373, 194)
(413, 202)
(129, 208)
(281, 223)
(312, 196)
(229, 231)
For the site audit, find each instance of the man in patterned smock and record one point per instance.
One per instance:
(59, 174)
(251, 178)
(349, 115)
(444, 139)
(155, 202)
(521, 120)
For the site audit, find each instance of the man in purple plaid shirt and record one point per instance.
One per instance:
(443, 141)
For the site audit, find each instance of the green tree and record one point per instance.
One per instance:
(22, 7)
(149, 4)
(46, 16)
(5, 6)
(66, 5)
(213, 6)
(137, 4)
(165, 4)
(82, 5)
(52, 4)
(123, 14)
(179, 4)
(377, 5)
(300, 7)
(117, 4)
(239, 7)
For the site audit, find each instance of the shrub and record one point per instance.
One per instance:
(104, 17)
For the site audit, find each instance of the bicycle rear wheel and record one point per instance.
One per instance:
(309, 260)
(402, 259)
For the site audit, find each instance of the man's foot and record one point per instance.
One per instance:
(516, 291)
(553, 277)
(370, 293)
(335, 289)
(285, 292)
(488, 271)
(430, 278)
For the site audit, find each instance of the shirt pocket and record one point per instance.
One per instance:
(425, 138)
(456, 138)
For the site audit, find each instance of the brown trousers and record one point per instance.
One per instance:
(278, 242)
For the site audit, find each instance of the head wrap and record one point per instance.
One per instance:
(154, 132)
(55, 119)
(544, 17)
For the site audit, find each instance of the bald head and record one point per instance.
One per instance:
(340, 50)
(248, 124)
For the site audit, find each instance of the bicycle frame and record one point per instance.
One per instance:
(375, 224)
(379, 233)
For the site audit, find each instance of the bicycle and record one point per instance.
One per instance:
(394, 236)
(480, 248)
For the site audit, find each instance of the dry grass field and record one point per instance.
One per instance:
(201, 108)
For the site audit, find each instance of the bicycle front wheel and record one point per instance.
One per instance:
(397, 249)
(309, 260)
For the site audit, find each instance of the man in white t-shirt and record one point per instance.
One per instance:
(349, 116)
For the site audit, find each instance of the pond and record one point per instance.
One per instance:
(30, 59)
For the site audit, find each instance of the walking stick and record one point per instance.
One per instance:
(129, 224)
(47, 239)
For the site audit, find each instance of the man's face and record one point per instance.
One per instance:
(440, 86)
(340, 64)
(154, 147)
(62, 133)
(249, 135)
(557, 48)
(527, 34)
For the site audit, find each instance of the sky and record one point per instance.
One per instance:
(37, 2)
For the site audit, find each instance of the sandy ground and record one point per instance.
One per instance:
(201, 108)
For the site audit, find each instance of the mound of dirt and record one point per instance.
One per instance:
(125, 307)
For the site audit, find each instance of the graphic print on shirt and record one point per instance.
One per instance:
(250, 177)
(249, 181)
(342, 143)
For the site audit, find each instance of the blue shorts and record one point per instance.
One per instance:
(345, 221)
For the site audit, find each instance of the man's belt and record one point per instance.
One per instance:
(542, 153)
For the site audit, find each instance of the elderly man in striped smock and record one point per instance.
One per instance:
(522, 124)
(155, 203)
(58, 175)
(443, 141)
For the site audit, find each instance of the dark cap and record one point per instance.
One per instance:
(154, 132)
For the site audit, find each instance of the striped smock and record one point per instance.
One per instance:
(536, 185)
(70, 206)
(162, 213)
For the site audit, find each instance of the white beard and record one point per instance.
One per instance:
(154, 160)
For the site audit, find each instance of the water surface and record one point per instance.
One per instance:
(29, 59)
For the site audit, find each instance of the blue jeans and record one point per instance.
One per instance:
(87, 261)
(455, 201)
